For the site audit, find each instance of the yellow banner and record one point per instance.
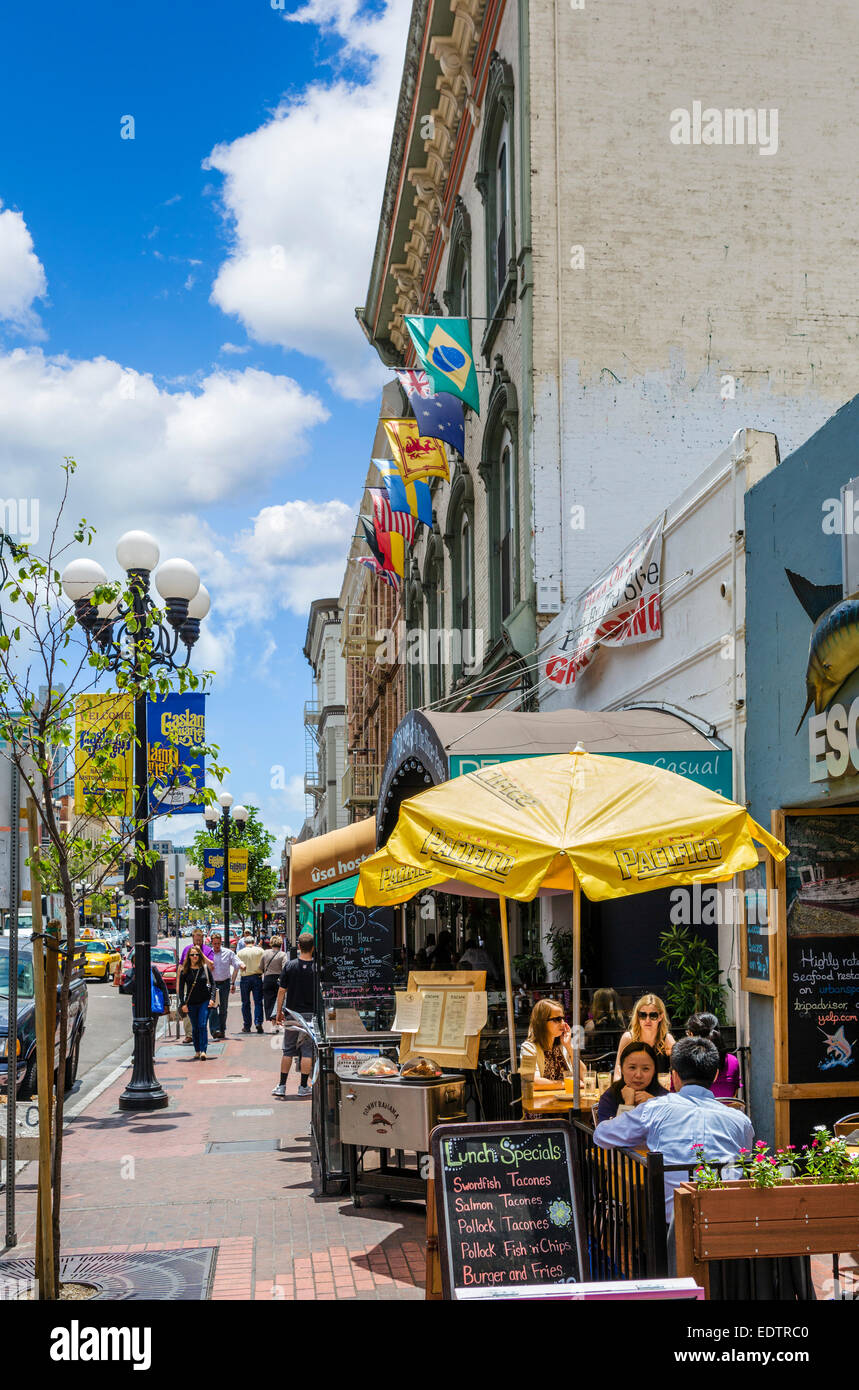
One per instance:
(104, 724)
(238, 871)
(415, 456)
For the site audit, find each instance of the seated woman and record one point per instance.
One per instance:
(638, 1081)
(547, 1054)
(606, 1011)
(649, 1023)
(727, 1081)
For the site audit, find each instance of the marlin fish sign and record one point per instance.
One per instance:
(833, 656)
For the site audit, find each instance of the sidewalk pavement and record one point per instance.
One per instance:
(134, 1183)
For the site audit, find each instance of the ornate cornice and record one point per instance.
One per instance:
(454, 53)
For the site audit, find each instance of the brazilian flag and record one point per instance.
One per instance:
(444, 351)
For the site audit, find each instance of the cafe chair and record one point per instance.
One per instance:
(844, 1127)
(734, 1103)
(594, 1109)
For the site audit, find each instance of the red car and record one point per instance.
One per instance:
(164, 957)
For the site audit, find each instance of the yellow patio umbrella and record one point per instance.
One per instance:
(610, 826)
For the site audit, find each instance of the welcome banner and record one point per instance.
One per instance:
(104, 754)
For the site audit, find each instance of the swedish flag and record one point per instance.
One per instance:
(414, 498)
(444, 350)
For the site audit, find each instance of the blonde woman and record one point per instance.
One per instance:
(648, 1023)
(547, 1053)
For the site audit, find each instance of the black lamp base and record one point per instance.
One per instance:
(144, 1097)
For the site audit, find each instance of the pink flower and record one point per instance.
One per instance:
(760, 1144)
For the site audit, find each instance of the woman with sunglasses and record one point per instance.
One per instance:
(649, 1023)
(547, 1052)
(196, 993)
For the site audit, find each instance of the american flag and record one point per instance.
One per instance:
(387, 520)
(417, 383)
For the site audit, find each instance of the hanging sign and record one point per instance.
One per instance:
(622, 607)
(176, 725)
(213, 870)
(104, 725)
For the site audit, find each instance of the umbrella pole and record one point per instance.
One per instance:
(577, 987)
(508, 986)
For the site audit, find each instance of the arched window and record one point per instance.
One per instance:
(434, 620)
(495, 180)
(457, 292)
(499, 470)
(459, 539)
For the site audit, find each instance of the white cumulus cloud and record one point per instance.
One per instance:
(22, 276)
(302, 196)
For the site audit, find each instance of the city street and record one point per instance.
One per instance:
(224, 1169)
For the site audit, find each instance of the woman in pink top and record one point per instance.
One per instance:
(727, 1082)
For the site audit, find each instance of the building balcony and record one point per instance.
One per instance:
(357, 634)
(312, 714)
(360, 786)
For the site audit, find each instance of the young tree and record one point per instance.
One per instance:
(45, 666)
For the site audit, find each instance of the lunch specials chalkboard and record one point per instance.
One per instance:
(823, 1008)
(508, 1207)
(357, 947)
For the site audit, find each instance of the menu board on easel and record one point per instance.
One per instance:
(441, 1016)
(817, 997)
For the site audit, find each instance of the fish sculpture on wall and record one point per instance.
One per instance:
(833, 652)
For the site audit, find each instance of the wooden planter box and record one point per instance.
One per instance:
(739, 1221)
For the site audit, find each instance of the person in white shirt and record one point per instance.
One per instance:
(225, 969)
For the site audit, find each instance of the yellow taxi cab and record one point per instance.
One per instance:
(101, 959)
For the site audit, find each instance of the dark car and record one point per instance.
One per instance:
(26, 1065)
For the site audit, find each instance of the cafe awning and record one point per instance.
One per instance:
(341, 891)
(329, 858)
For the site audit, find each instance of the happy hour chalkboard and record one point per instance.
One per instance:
(508, 1205)
(823, 1008)
(357, 947)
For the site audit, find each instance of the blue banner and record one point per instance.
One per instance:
(213, 870)
(175, 725)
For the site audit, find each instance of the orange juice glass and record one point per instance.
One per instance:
(569, 1084)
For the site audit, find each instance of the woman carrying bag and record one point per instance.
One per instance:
(197, 993)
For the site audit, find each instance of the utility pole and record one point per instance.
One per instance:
(12, 1034)
(44, 1073)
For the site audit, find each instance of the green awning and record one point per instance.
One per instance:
(343, 891)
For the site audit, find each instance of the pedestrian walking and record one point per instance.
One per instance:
(160, 993)
(196, 940)
(250, 957)
(226, 968)
(272, 964)
(297, 992)
(196, 992)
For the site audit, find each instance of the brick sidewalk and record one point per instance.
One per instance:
(146, 1182)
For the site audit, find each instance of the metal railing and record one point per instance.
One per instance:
(623, 1199)
(360, 784)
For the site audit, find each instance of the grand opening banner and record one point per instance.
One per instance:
(621, 607)
(176, 726)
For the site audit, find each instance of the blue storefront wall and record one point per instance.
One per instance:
(784, 516)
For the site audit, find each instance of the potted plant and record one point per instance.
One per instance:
(787, 1202)
(695, 982)
(530, 967)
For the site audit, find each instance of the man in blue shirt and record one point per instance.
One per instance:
(671, 1124)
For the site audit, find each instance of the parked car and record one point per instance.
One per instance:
(164, 957)
(101, 959)
(26, 1015)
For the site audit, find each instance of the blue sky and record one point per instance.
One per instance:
(177, 311)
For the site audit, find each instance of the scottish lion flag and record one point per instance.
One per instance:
(415, 457)
(414, 498)
(444, 349)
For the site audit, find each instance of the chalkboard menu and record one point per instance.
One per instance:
(823, 1008)
(357, 947)
(508, 1206)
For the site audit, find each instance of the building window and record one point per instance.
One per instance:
(432, 587)
(495, 181)
(499, 471)
(459, 539)
(465, 569)
(502, 212)
(506, 526)
(457, 293)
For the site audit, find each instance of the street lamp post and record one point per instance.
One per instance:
(239, 815)
(151, 644)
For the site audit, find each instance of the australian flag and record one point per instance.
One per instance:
(439, 416)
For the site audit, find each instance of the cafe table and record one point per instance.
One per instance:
(557, 1101)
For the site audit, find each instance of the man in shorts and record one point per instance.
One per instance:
(297, 991)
